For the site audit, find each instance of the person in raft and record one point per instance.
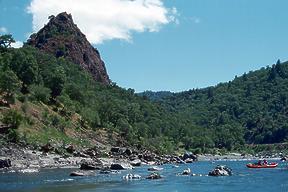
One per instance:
(262, 163)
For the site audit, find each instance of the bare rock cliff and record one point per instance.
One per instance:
(62, 38)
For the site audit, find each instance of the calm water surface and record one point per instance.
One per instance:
(243, 179)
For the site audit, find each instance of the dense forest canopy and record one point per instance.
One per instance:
(250, 109)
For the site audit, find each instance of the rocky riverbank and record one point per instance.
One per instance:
(95, 158)
(17, 157)
(24, 157)
(240, 157)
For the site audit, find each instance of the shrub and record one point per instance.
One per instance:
(40, 93)
(13, 135)
(9, 82)
(13, 118)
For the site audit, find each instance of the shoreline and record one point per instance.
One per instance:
(24, 159)
(235, 157)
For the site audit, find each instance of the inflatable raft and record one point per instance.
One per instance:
(257, 166)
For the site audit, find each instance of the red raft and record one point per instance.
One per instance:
(257, 166)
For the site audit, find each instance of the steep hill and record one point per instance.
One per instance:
(252, 108)
(49, 99)
(62, 38)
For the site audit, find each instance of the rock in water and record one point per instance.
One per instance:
(155, 168)
(221, 170)
(186, 171)
(136, 163)
(62, 38)
(120, 166)
(131, 176)
(154, 176)
(77, 174)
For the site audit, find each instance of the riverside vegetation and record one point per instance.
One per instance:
(47, 98)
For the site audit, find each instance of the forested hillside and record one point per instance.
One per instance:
(32, 79)
(250, 109)
(44, 98)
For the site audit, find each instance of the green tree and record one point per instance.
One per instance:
(6, 41)
(75, 92)
(55, 80)
(279, 69)
(40, 93)
(210, 93)
(9, 82)
(272, 73)
(25, 66)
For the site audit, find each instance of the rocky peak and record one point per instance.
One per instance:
(62, 38)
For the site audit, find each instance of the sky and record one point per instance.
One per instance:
(166, 45)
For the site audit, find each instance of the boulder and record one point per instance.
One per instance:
(154, 176)
(136, 163)
(189, 155)
(115, 150)
(90, 165)
(155, 168)
(189, 160)
(128, 152)
(186, 172)
(5, 163)
(70, 149)
(92, 152)
(149, 157)
(221, 170)
(47, 148)
(77, 174)
(120, 166)
(133, 157)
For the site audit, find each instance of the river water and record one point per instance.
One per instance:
(243, 179)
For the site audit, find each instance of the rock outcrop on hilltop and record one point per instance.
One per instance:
(62, 38)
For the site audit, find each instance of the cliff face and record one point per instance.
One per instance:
(62, 38)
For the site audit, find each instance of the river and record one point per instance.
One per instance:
(243, 179)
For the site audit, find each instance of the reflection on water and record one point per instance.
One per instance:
(58, 180)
